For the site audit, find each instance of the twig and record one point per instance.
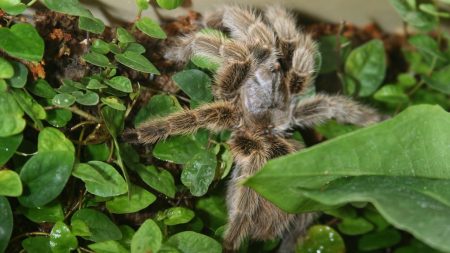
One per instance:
(75, 110)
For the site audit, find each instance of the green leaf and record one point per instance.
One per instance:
(10, 184)
(397, 166)
(114, 103)
(6, 223)
(148, 238)
(20, 75)
(151, 28)
(333, 129)
(128, 233)
(44, 177)
(137, 62)
(176, 215)
(439, 80)
(142, 4)
(8, 146)
(61, 239)
(6, 69)
(323, 239)
(365, 68)
(406, 80)
(71, 7)
(38, 244)
(169, 4)
(158, 106)
(136, 47)
(22, 41)
(30, 106)
(195, 83)
(379, 240)
(140, 199)
(198, 173)
(428, 48)
(98, 152)
(41, 88)
(80, 228)
(391, 94)
(11, 121)
(91, 24)
(192, 242)
(328, 47)
(355, 226)
(432, 10)
(45, 174)
(100, 46)
(97, 59)
(216, 209)
(48, 213)
(101, 227)
(410, 14)
(108, 247)
(59, 117)
(100, 178)
(159, 179)
(89, 98)
(13, 7)
(114, 120)
(95, 84)
(64, 100)
(51, 139)
(177, 149)
(124, 36)
(120, 83)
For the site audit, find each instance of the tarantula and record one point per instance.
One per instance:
(266, 63)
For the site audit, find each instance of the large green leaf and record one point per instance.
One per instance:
(6, 69)
(195, 83)
(6, 223)
(50, 213)
(198, 173)
(401, 165)
(8, 146)
(11, 121)
(159, 179)
(22, 41)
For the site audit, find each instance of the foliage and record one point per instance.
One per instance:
(67, 175)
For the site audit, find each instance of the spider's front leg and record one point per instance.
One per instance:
(217, 116)
(318, 109)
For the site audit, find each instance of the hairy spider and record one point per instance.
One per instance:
(265, 64)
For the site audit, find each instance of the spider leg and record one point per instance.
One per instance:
(215, 117)
(298, 49)
(250, 214)
(246, 25)
(318, 109)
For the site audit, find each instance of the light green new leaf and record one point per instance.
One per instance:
(391, 94)
(22, 41)
(151, 28)
(61, 239)
(10, 184)
(124, 36)
(365, 68)
(169, 4)
(176, 215)
(100, 178)
(148, 238)
(6, 69)
(120, 83)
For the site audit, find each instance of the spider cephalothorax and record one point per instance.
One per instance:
(265, 64)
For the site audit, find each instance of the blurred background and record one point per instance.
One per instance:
(358, 12)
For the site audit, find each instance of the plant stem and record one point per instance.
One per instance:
(77, 111)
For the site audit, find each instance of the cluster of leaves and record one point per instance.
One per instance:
(65, 171)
